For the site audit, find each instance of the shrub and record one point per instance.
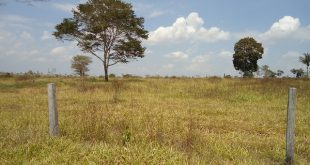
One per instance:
(112, 75)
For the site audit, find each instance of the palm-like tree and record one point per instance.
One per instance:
(305, 60)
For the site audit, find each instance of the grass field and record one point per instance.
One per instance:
(153, 121)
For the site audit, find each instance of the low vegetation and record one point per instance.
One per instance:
(152, 121)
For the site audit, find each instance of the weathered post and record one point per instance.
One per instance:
(52, 110)
(290, 131)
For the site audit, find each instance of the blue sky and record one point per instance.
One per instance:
(185, 37)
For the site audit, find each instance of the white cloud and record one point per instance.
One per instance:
(5, 34)
(282, 28)
(156, 13)
(18, 46)
(200, 59)
(288, 61)
(66, 7)
(14, 18)
(303, 33)
(64, 52)
(225, 53)
(142, 7)
(148, 51)
(40, 59)
(190, 28)
(291, 55)
(285, 24)
(168, 66)
(286, 27)
(58, 50)
(33, 52)
(178, 55)
(198, 63)
(26, 35)
(10, 21)
(46, 35)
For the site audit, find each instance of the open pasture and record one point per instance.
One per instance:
(153, 121)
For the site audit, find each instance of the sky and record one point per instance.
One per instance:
(186, 38)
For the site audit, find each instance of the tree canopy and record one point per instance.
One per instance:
(109, 27)
(79, 64)
(247, 52)
(280, 73)
(298, 72)
(305, 60)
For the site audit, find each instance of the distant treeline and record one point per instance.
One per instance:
(30, 75)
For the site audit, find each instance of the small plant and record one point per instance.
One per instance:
(117, 87)
(189, 141)
(126, 136)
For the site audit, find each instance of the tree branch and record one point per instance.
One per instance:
(114, 63)
(96, 56)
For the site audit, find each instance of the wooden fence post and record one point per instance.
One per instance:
(290, 131)
(52, 110)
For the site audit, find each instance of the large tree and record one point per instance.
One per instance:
(107, 29)
(305, 60)
(247, 52)
(79, 64)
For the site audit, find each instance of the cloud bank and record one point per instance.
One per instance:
(189, 28)
(282, 28)
(178, 55)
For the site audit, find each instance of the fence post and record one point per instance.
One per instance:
(52, 110)
(290, 131)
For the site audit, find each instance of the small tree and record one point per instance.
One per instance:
(298, 72)
(247, 52)
(267, 71)
(280, 73)
(109, 27)
(305, 60)
(80, 64)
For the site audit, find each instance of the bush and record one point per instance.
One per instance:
(112, 75)
(24, 77)
(227, 76)
(130, 76)
(6, 75)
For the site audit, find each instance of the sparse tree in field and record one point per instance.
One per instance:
(280, 73)
(298, 72)
(107, 29)
(247, 52)
(80, 64)
(305, 60)
(267, 71)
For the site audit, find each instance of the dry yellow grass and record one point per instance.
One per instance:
(152, 121)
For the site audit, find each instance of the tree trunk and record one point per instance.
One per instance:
(83, 76)
(307, 71)
(106, 76)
